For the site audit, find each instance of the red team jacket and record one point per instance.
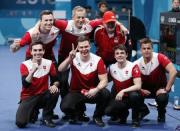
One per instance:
(105, 44)
(154, 73)
(123, 78)
(48, 40)
(40, 79)
(85, 75)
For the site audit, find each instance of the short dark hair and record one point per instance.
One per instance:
(82, 38)
(173, 0)
(146, 40)
(102, 3)
(45, 12)
(36, 43)
(121, 47)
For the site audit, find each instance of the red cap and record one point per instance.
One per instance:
(108, 17)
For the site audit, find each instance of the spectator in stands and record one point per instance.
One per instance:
(103, 7)
(155, 85)
(89, 13)
(124, 9)
(175, 6)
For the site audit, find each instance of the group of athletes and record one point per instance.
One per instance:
(90, 73)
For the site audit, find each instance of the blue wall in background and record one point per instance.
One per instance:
(149, 12)
(17, 18)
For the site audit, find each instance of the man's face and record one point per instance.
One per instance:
(47, 22)
(146, 50)
(120, 56)
(37, 52)
(103, 8)
(79, 19)
(175, 4)
(84, 48)
(110, 27)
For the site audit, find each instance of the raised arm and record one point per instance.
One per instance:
(18, 43)
(124, 29)
(66, 63)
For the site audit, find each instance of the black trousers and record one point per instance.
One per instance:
(63, 79)
(27, 107)
(63, 83)
(64, 87)
(73, 100)
(161, 99)
(119, 108)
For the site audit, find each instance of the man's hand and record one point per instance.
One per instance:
(72, 53)
(86, 21)
(92, 92)
(35, 66)
(120, 95)
(53, 89)
(15, 46)
(35, 36)
(146, 92)
(160, 91)
(124, 29)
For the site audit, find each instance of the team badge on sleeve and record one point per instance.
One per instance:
(44, 67)
(136, 70)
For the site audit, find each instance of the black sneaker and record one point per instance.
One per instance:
(161, 118)
(72, 120)
(55, 117)
(123, 121)
(99, 121)
(66, 117)
(135, 124)
(83, 118)
(34, 117)
(32, 120)
(114, 119)
(48, 123)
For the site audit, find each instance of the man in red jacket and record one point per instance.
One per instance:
(107, 36)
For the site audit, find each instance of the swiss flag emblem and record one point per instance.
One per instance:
(126, 72)
(44, 67)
